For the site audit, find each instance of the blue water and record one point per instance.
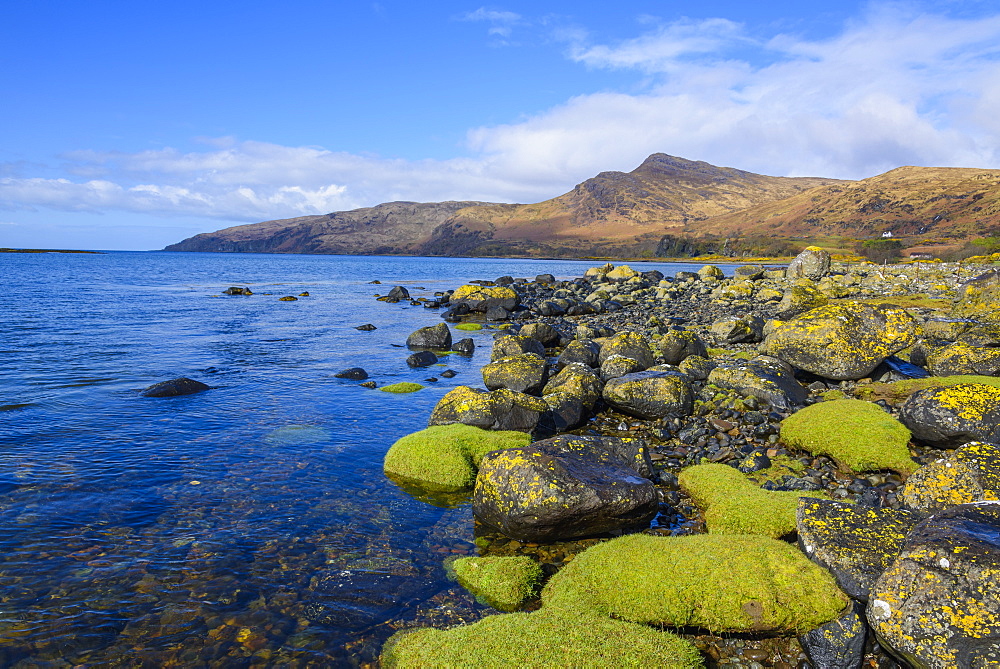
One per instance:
(220, 529)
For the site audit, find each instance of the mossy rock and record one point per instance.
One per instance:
(402, 387)
(899, 391)
(970, 474)
(505, 583)
(482, 298)
(954, 415)
(961, 358)
(469, 327)
(733, 504)
(723, 583)
(859, 435)
(445, 457)
(540, 639)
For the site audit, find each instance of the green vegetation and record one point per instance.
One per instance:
(727, 247)
(402, 387)
(897, 392)
(446, 457)
(540, 639)
(505, 583)
(733, 504)
(469, 327)
(723, 583)
(880, 250)
(859, 435)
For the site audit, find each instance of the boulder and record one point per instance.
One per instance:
(859, 435)
(650, 394)
(421, 359)
(710, 272)
(237, 290)
(953, 415)
(354, 373)
(620, 274)
(577, 380)
(491, 410)
(565, 412)
(798, 300)
(722, 583)
(445, 457)
(434, 336)
(565, 487)
(856, 543)
(763, 377)
(696, 367)
(979, 298)
(970, 474)
(747, 329)
(962, 358)
(481, 298)
(748, 272)
(839, 643)
(812, 263)
(506, 346)
(619, 365)
(524, 373)
(174, 387)
(582, 351)
(676, 345)
(631, 345)
(543, 332)
(545, 278)
(464, 346)
(398, 293)
(842, 341)
(938, 604)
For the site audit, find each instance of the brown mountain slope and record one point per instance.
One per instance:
(612, 213)
(944, 202)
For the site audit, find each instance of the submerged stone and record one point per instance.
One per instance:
(174, 388)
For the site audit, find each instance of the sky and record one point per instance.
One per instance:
(131, 125)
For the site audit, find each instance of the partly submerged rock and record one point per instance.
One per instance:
(491, 410)
(433, 336)
(174, 387)
(353, 373)
(505, 583)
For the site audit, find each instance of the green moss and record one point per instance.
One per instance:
(470, 327)
(445, 457)
(723, 583)
(859, 435)
(402, 387)
(831, 395)
(781, 466)
(733, 504)
(896, 393)
(505, 583)
(540, 639)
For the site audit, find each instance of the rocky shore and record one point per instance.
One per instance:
(786, 467)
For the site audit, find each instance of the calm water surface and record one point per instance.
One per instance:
(250, 525)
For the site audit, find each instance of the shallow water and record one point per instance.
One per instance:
(247, 525)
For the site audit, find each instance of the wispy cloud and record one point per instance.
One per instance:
(893, 87)
(501, 23)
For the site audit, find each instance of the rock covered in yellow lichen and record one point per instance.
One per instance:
(650, 394)
(970, 474)
(482, 298)
(491, 410)
(962, 358)
(812, 263)
(842, 341)
(953, 415)
(979, 298)
(938, 604)
(524, 373)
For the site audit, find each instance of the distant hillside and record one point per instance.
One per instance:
(944, 202)
(612, 213)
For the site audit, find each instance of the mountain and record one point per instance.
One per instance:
(614, 212)
(944, 202)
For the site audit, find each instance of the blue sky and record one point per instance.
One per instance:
(133, 125)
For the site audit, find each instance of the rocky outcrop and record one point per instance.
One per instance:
(953, 415)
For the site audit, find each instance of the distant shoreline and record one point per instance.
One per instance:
(4, 250)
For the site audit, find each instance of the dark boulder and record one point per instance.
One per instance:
(840, 643)
(367, 327)
(433, 336)
(491, 410)
(543, 332)
(524, 373)
(509, 345)
(464, 346)
(354, 373)
(174, 387)
(237, 290)
(421, 359)
(676, 345)
(583, 351)
(953, 415)
(398, 293)
(765, 378)
(650, 394)
(631, 345)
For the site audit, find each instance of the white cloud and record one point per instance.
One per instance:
(892, 88)
(501, 22)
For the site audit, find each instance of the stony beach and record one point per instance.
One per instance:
(755, 470)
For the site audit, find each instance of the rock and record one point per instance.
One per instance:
(464, 346)
(421, 359)
(545, 278)
(446, 457)
(621, 274)
(798, 300)
(582, 351)
(565, 412)
(650, 394)
(696, 367)
(505, 583)
(711, 272)
(577, 380)
(402, 388)
(842, 341)
(524, 373)
(859, 435)
(962, 358)
(979, 298)
(970, 474)
(174, 387)
(367, 327)
(434, 336)
(856, 543)
(449, 373)
(509, 345)
(369, 384)
(491, 410)
(722, 583)
(355, 373)
(953, 415)
(619, 365)
(550, 308)
(937, 605)
(839, 643)
(237, 290)
(679, 344)
(747, 329)
(398, 293)
(749, 272)
(812, 263)
(543, 332)
(497, 313)
(765, 378)
(733, 504)
(562, 488)
(481, 298)
(631, 345)
(288, 298)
